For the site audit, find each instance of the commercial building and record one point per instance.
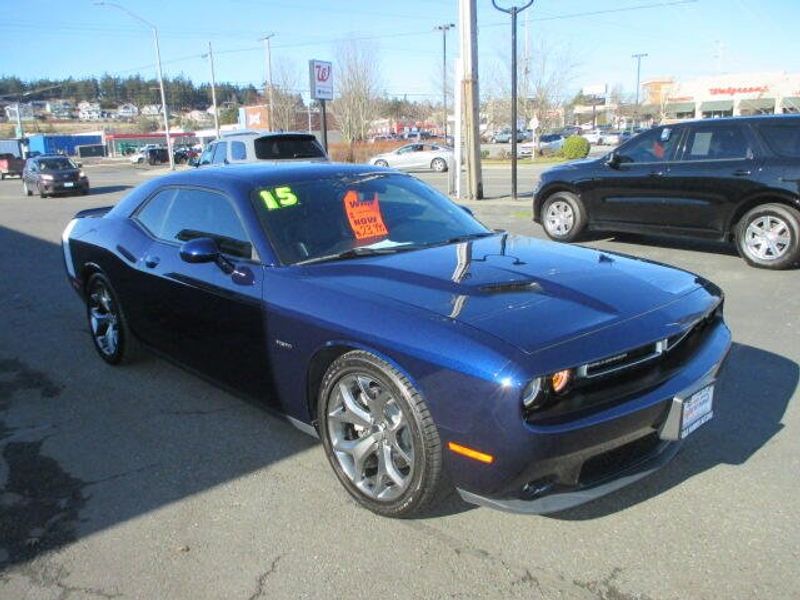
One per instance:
(668, 99)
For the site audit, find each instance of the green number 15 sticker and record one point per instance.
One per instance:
(279, 197)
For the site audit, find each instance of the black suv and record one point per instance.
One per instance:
(735, 179)
(53, 174)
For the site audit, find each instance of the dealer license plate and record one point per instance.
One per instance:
(697, 409)
(68, 184)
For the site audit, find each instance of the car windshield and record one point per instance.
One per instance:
(56, 164)
(344, 217)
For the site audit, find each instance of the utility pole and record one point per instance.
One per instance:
(210, 55)
(468, 27)
(268, 57)
(160, 74)
(513, 11)
(444, 29)
(638, 58)
(20, 132)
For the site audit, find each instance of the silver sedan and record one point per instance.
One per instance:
(416, 156)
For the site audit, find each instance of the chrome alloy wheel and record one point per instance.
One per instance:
(104, 320)
(768, 238)
(560, 218)
(370, 436)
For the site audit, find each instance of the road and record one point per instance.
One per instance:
(146, 482)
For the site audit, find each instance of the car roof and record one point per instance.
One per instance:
(748, 119)
(259, 134)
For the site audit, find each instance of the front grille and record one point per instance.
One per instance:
(608, 464)
(624, 376)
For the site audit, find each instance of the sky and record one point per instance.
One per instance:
(682, 38)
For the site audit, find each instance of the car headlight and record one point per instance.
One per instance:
(47, 177)
(81, 174)
(542, 390)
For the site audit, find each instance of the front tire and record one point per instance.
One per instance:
(107, 323)
(26, 190)
(563, 217)
(768, 237)
(379, 436)
(439, 165)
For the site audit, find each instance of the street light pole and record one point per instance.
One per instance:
(268, 56)
(638, 58)
(513, 11)
(444, 29)
(210, 55)
(154, 29)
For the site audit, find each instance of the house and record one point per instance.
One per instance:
(150, 110)
(127, 111)
(89, 111)
(60, 109)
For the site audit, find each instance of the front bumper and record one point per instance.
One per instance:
(64, 187)
(579, 464)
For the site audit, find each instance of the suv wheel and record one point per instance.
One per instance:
(563, 217)
(768, 236)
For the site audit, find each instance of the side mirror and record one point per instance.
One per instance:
(80, 164)
(613, 160)
(199, 250)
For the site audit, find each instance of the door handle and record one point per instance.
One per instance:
(151, 262)
(741, 172)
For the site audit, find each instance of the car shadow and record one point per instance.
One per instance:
(85, 446)
(109, 189)
(698, 245)
(751, 397)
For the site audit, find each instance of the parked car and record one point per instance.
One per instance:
(550, 143)
(254, 146)
(51, 174)
(721, 179)
(151, 155)
(416, 156)
(423, 348)
(10, 165)
(183, 154)
(504, 136)
(614, 138)
(594, 137)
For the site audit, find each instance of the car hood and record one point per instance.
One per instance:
(574, 164)
(527, 292)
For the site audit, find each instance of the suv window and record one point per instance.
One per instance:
(716, 143)
(238, 151)
(181, 214)
(220, 153)
(654, 146)
(287, 146)
(205, 157)
(782, 139)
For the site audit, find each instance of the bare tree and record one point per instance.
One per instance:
(357, 85)
(285, 97)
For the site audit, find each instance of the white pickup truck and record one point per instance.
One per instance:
(253, 146)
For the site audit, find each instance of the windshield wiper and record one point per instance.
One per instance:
(466, 238)
(356, 253)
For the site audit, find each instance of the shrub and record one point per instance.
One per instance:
(484, 154)
(574, 147)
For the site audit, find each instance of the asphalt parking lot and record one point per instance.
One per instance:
(146, 482)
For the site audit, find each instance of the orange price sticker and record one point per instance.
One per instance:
(365, 216)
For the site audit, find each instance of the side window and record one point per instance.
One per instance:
(405, 149)
(153, 214)
(220, 153)
(201, 213)
(205, 157)
(653, 146)
(238, 151)
(716, 143)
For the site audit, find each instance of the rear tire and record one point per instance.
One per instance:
(439, 165)
(379, 436)
(381, 163)
(108, 325)
(564, 217)
(768, 237)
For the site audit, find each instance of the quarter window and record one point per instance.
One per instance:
(181, 214)
(716, 143)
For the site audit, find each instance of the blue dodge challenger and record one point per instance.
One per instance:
(424, 349)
